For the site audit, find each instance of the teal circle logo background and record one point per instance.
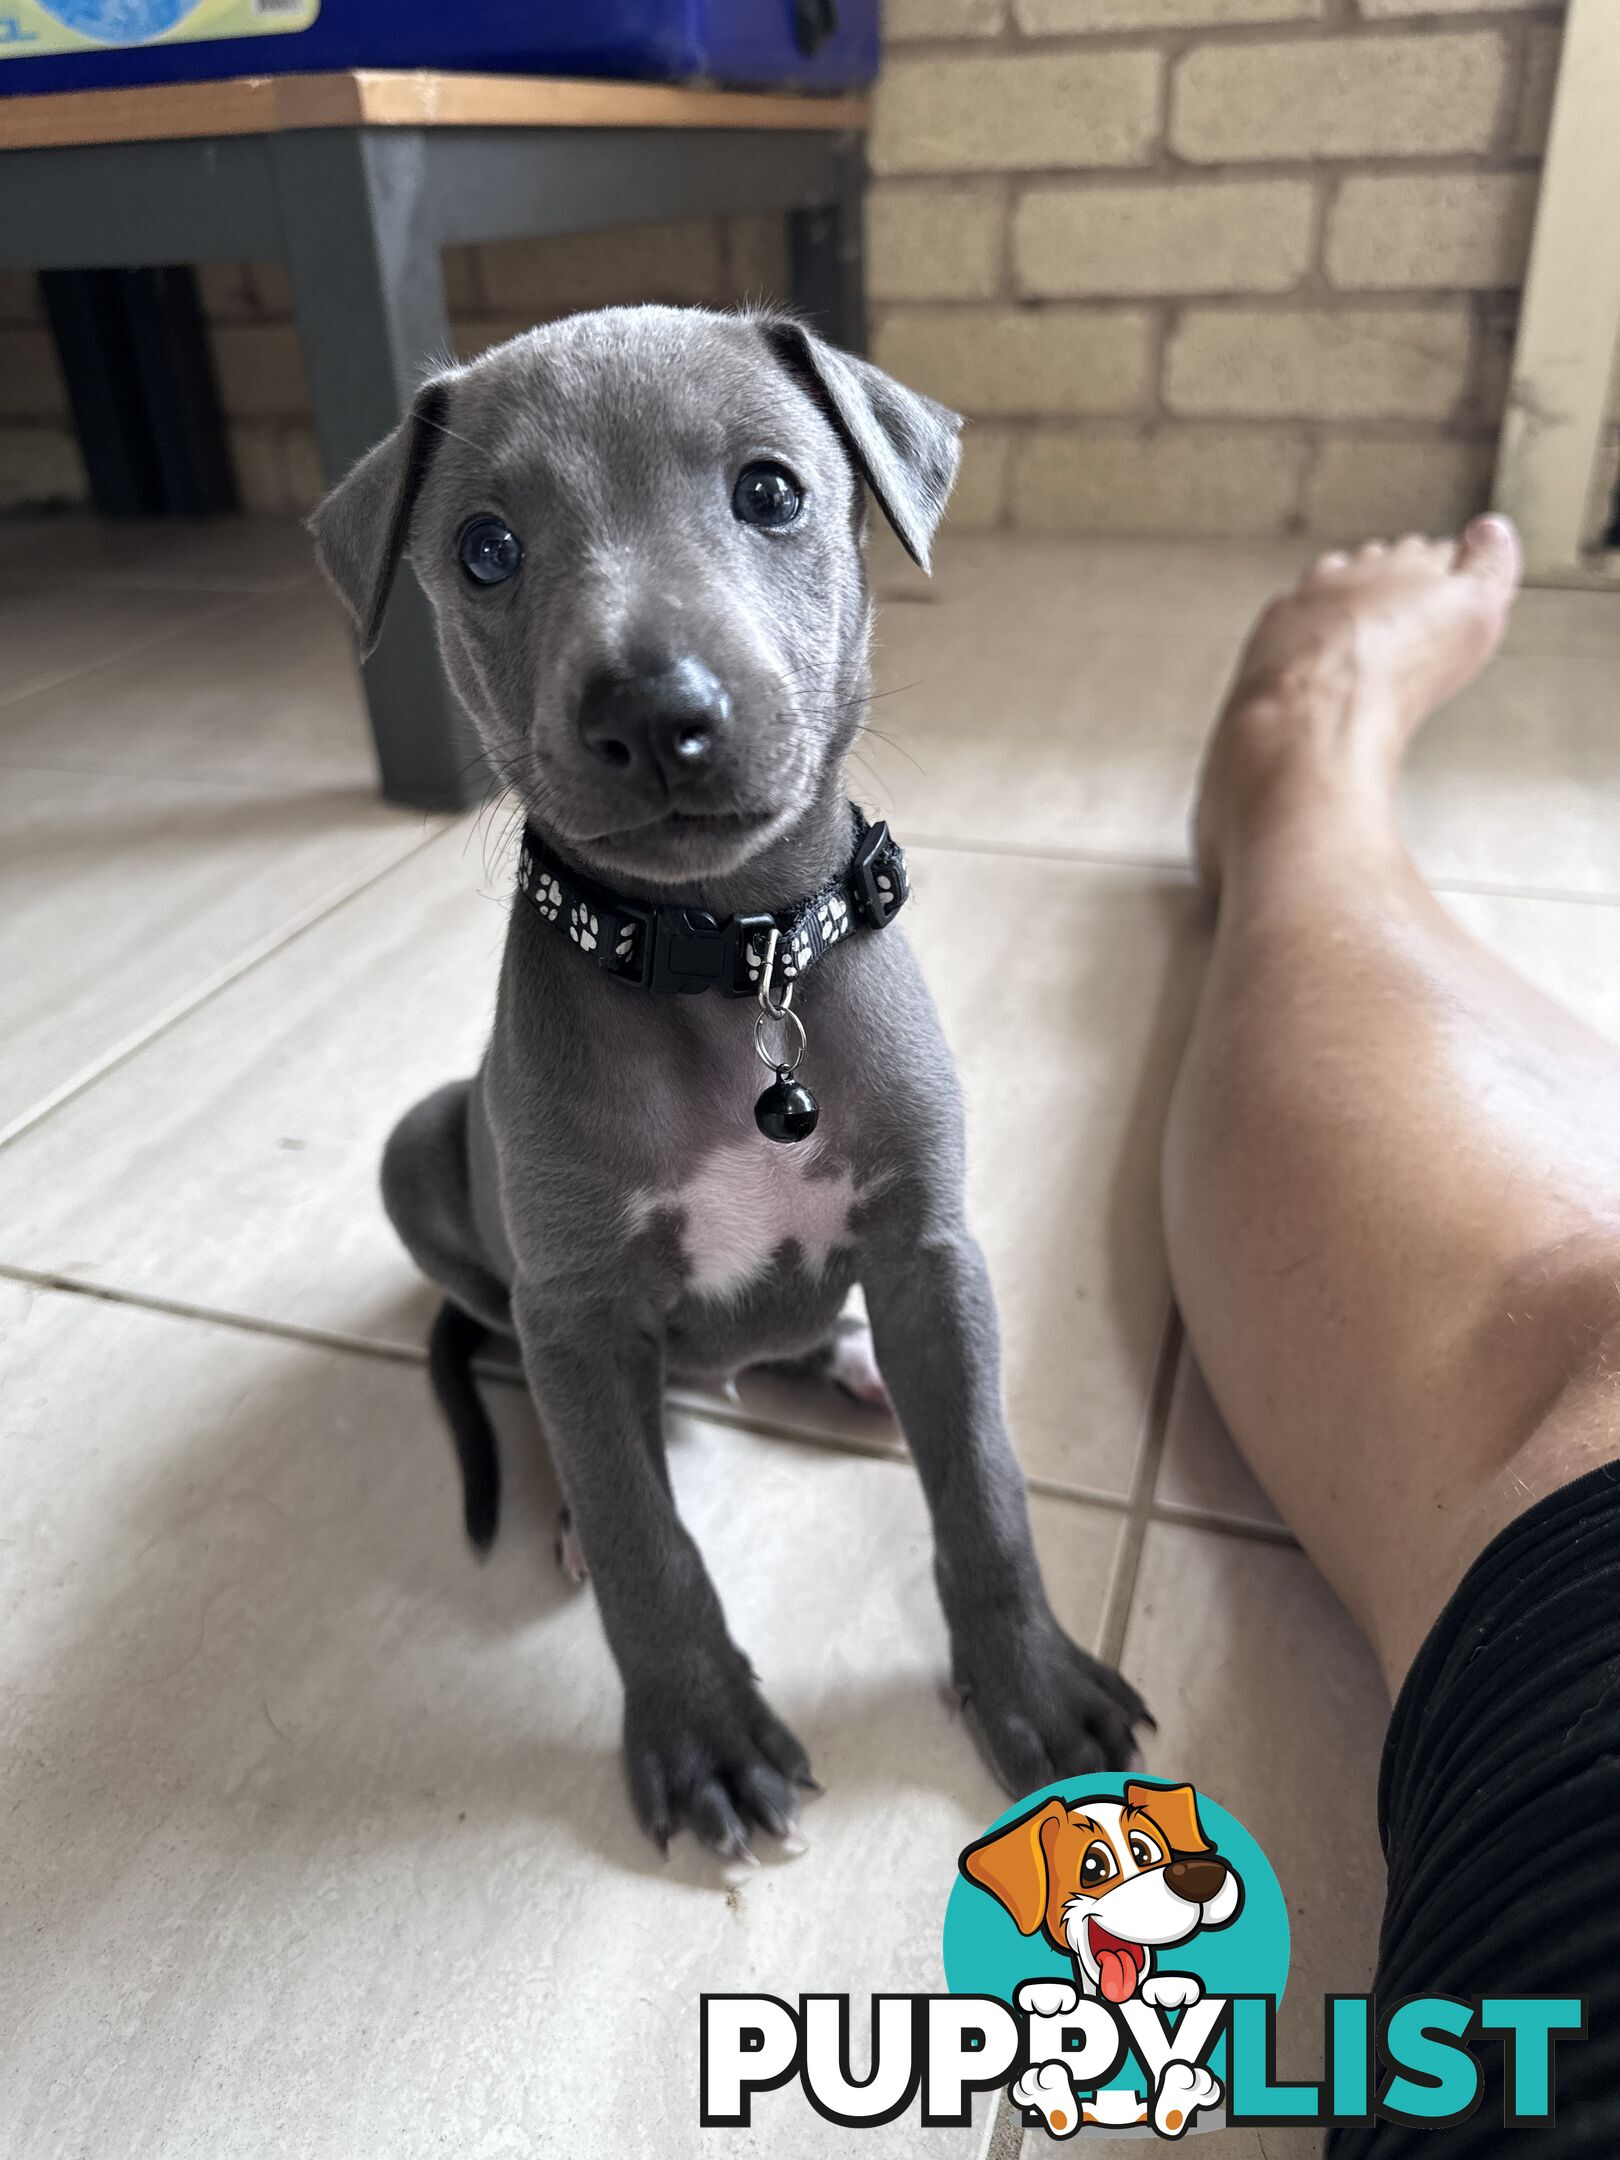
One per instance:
(986, 1955)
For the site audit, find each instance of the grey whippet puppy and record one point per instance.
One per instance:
(642, 532)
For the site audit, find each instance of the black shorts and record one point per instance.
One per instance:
(1499, 1809)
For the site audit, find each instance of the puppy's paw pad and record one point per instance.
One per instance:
(853, 1366)
(1171, 1991)
(1183, 2090)
(1047, 1998)
(1048, 2090)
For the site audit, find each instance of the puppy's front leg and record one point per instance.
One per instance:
(701, 1745)
(1045, 1707)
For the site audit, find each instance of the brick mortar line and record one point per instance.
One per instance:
(1171, 41)
(1310, 466)
(1511, 95)
(1330, 186)
(1379, 433)
(1378, 164)
(1030, 183)
(1160, 337)
(1381, 164)
(1395, 301)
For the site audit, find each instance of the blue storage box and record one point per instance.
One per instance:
(96, 44)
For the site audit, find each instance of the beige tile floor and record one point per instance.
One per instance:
(314, 1831)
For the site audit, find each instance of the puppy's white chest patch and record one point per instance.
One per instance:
(743, 1203)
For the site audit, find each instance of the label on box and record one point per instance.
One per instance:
(28, 27)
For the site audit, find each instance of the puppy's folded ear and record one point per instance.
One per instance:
(904, 446)
(1011, 1864)
(1175, 1809)
(361, 528)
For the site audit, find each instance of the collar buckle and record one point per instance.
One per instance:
(878, 875)
(680, 950)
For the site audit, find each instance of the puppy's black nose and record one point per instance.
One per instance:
(667, 721)
(1196, 1880)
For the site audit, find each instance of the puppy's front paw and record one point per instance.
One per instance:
(1171, 1991)
(1183, 2090)
(1046, 1998)
(1045, 1708)
(1048, 2089)
(705, 1752)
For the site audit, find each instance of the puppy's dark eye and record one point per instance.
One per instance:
(490, 551)
(1097, 1866)
(766, 495)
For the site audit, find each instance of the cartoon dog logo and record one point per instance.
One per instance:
(1111, 1883)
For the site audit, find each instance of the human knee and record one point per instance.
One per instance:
(1557, 1322)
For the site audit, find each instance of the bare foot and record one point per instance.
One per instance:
(1340, 672)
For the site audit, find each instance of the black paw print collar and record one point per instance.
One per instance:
(683, 949)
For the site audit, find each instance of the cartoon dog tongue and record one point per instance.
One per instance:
(1119, 1964)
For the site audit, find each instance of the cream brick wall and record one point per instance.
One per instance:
(1312, 216)
(1377, 9)
(1244, 266)
(1077, 18)
(1319, 363)
(1154, 479)
(1001, 360)
(904, 19)
(1151, 236)
(1387, 231)
(937, 239)
(968, 112)
(1338, 97)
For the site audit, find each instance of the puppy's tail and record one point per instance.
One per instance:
(454, 1342)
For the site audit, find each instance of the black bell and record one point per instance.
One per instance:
(787, 1110)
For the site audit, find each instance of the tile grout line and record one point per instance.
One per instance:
(1122, 1589)
(241, 603)
(1181, 1516)
(32, 583)
(1042, 851)
(1126, 859)
(210, 987)
(718, 1413)
(296, 785)
(291, 1331)
(681, 1399)
(1558, 894)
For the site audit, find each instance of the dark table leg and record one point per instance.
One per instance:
(363, 252)
(826, 254)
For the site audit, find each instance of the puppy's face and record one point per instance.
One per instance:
(641, 532)
(1110, 1881)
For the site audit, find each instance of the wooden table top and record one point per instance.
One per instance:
(376, 97)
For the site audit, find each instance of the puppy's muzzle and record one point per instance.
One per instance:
(1196, 1880)
(657, 728)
